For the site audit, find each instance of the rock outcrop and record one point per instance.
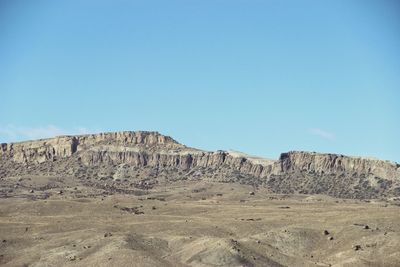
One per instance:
(301, 172)
(65, 146)
(333, 163)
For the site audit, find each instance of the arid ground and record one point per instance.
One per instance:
(53, 221)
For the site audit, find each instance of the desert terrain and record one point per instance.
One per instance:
(62, 206)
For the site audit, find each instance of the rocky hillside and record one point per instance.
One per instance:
(150, 158)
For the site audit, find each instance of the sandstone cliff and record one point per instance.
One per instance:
(301, 172)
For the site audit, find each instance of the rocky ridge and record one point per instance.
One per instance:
(145, 155)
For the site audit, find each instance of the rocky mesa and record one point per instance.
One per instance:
(151, 155)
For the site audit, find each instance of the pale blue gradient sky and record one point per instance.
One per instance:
(262, 77)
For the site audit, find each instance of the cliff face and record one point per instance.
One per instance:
(137, 149)
(332, 163)
(65, 146)
(151, 149)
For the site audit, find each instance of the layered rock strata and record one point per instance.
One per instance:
(151, 149)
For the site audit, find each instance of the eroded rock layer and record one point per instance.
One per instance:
(293, 172)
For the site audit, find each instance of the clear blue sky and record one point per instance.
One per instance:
(262, 77)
